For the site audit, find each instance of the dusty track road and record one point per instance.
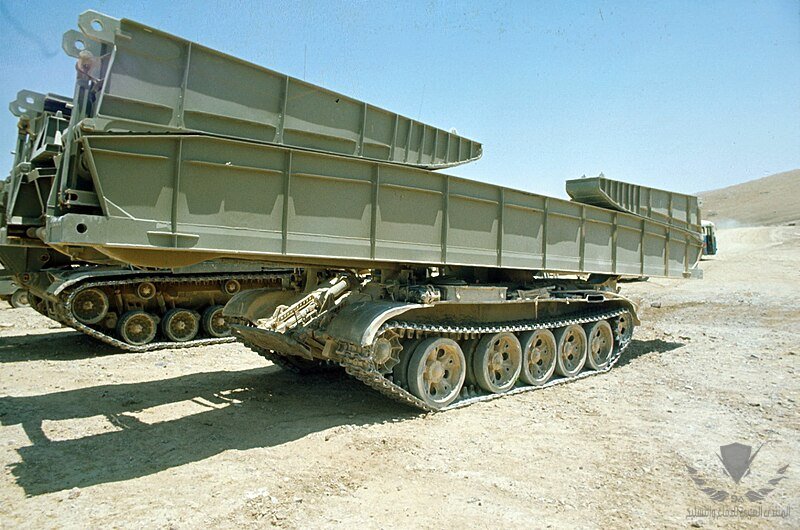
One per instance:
(214, 436)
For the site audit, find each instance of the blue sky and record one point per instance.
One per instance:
(682, 95)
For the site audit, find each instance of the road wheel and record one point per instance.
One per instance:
(538, 356)
(137, 327)
(436, 371)
(180, 325)
(601, 344)
(214, 323)
(497, 361)
(623, 327)
(571, 341)
(19, 299)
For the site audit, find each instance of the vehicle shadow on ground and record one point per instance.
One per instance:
(637, 348)
(61, 345)
(240, 410)
(257, 408)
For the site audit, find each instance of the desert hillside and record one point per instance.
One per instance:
(772, 200)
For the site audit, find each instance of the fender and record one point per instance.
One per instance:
(358, 323)
(256, 304)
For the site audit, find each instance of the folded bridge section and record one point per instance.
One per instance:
(169, 200)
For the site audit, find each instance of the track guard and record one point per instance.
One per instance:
(255, 304)
(358, 323)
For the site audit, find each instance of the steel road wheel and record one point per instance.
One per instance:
(600, 339)
(214, 323)
(623, 327)
(571, 341)
(19, 299)
(90, 306)
(497, 362)
(180, 325)
(538, 356)
(436, 371)
(137, 327)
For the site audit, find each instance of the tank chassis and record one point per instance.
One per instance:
(436, 290)
(439, 338)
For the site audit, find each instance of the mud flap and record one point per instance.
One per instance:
(255, 304)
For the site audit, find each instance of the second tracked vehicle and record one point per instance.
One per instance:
(129, 308)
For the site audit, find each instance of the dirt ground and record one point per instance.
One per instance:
(215, 436)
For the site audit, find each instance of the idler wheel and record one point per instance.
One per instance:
(90, 306)
(436, 371)
(538, 356)
(214, 323)
(180, 325)
(571, 341)
(497, 362)
(137, 327)
(623, 327)
(601, 344)
(19, 299)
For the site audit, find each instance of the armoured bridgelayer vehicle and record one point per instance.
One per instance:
(128, 308)
(435, 290)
